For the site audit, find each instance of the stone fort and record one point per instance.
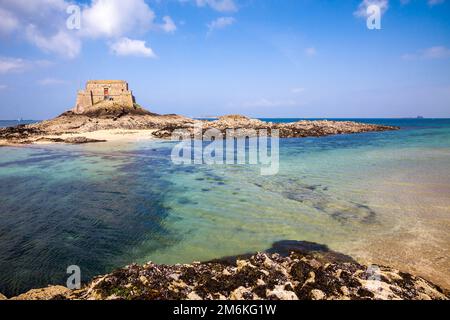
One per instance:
(97, 91)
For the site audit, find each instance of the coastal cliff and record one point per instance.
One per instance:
(318, 274)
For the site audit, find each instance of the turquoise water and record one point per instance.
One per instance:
(379, 197)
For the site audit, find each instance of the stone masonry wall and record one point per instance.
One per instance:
(117, 90)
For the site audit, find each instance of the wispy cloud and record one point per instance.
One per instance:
(436, 52)
(435, 2)
(168, 26)
(51, 82)
(46, 30)
(430, 2)
(220, 23)
(130, 47)
(61, 43)
(8, 22)
(12, 64)
(298, 90)
(361, 11)
(217, 5)
(3, 86)
(268, 103)
(311, 51)
(8, 65)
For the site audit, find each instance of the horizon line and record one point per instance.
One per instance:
(265, 117)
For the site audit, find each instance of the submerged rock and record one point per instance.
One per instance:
(81, 140)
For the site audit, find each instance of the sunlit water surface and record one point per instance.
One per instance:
(380, 197)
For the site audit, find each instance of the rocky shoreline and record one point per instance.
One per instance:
(107, 116)
(318, 274)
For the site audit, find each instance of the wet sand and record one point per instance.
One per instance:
(420, 241)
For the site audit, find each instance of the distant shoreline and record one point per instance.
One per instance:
(283, 118)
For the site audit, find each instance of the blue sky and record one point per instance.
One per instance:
(262, 58)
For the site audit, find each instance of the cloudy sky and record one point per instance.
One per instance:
(264, 58)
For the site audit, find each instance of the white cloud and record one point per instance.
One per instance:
(43, 22)
(8, 65)
(61, 43)
(435, 2)
(3, 86)
(311, 51)
(220, 23)
(298, 90)
(267, 103)
(50, 82)
(8, 22)
(409, 56)
(35, 6)
(218, 5)
(168, 26)
(49, 15)
(129, 47)
(430, 2)
(436, 52)
(115, 18)
(361, 12)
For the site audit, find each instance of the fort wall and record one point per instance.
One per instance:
(103, 90)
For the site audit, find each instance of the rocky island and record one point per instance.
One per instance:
(106, 110)
(290, 270)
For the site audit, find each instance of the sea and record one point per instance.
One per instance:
(382, 198)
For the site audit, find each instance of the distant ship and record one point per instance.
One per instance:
(420, 117)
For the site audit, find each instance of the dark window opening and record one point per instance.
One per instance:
(105, 94)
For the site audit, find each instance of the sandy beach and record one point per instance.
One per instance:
(112, 135)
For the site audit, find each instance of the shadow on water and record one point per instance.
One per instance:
(285, 247)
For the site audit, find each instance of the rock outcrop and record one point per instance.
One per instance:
(265, 276)
(299, 129)
(49, 293)
(108, 115)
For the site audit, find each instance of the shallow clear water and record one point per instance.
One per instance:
(380, 197)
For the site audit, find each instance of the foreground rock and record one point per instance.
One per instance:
(49, 293)
(261, 276)
(110, 116)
